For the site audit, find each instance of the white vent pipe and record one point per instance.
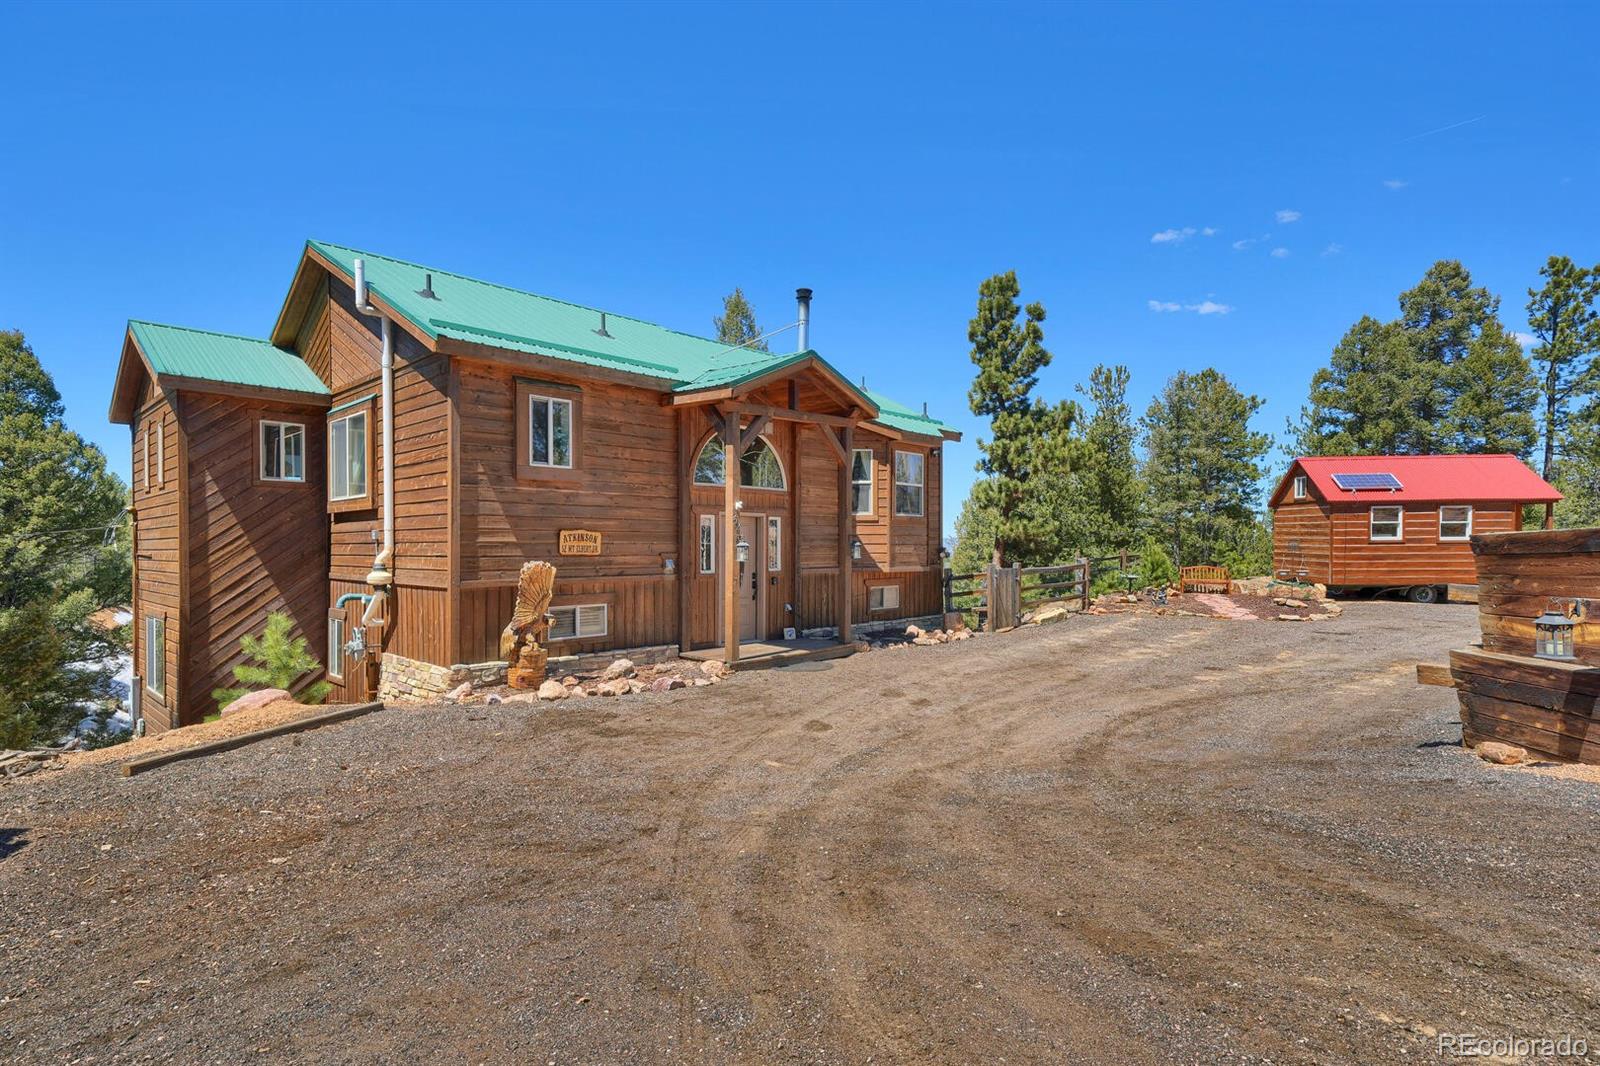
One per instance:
(381, 577)
(803, 298)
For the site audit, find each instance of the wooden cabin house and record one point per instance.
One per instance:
(381, 464)
(1396, 521)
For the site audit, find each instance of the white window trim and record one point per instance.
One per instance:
(1399, 528)
(336, 648)
(783, 472)
(1300, 486)
(575, 608)
(147, 455)
(261, 444)
(152, 666)
(883, 593)
(774, 549)
(921, 486)
(1460, 507)
(549, 429)
(161, 452)
(366, 472)
(872, 475)
(707, 521)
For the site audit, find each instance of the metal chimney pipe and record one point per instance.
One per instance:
(803, 298)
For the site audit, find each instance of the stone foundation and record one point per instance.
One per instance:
(895, 626)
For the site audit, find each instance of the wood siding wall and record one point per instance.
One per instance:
(1332, 542)
(1302, 542)
(159, 520)
(1518, 576)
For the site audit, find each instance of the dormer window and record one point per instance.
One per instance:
(1300, 487)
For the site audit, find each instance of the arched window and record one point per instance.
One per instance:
(759, 467)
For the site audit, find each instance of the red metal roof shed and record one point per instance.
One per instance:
(1423, 479)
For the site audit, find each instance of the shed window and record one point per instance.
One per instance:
(155, 654)
(1385, 523)
(336, 625)
(578, 623)
(283, 451)
(1300, 487)
(1455, 522)
(908, 483)
(759, 467)
(708, 544)
(861, 481)
(774, 542)
(883, 597)
(549, 431)
(347, 457)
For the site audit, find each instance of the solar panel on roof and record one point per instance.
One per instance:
(1357, 482)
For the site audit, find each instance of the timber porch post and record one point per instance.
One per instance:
(846, 530)
(731, 583)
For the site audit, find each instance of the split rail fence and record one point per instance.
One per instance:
(999, 596)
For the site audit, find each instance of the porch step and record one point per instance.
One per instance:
(766, 654)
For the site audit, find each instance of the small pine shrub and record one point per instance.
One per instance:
(279, 661)
(1155, 566)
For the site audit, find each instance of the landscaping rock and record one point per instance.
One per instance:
(1050, 613)
(460, 692)
(923, 640)
(620, 668)
(913, 632)
(251, 700)
(577, 692)
(713, 668)
(1291, 618)
(635, 685)
(494, 697)
(569, 681)
(701, 682)
(666, 684)
(1501, 754)
(617, 686)
(552, 690)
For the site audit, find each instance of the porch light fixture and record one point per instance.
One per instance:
(1555, 631)
(742, 550)
(855, 548)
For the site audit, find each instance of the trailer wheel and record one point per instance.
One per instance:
(1423, 594)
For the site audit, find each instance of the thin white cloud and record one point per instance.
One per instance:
(1280, 253)
(1286, 216)
(1442, 129)
(1527, 340)
(1395, 183)
(1204, 307)
(1172, 236)
(1333, 249)
(1245, 242)
(1209, 231)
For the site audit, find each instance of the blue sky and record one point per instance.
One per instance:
(1182, 186)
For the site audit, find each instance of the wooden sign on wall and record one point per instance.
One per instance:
(579, 542)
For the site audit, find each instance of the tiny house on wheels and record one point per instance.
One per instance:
(381, 464)
(1400, 522)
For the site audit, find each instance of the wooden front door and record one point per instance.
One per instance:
(753, 530)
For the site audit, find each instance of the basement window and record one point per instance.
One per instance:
(155, 654)
(1455, 522)
(1385, 523)
(578, 623)
(883, 597)
(283, 451)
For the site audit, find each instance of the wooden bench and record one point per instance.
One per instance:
(1204, 579)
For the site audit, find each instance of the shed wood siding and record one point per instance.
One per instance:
(158, 537)
(1419, 557)
(254, 548)
(1301, 540)
(1515, 587)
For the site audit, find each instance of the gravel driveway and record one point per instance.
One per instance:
(1112, 839)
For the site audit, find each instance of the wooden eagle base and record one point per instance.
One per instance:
(519, 641)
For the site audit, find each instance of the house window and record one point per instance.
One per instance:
(1455, 522)
(336, 646)
(774, 542)
(347, 457)
(708, 544)
(883, 597)
(155, 654)
(1300, 487)
(161, 452)
(908, 483)
(759, 467)
(861, 481)
(147, 456)
(549, 431)
(283, 451)
(1385, 523)
(578, 623)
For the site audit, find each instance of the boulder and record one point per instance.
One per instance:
(1053, 612)
(617, 686)
(713, 668)
(251, 700)
(913, 632)
(635, 685)
(1291, 618)
(577, 692)
(666, 684)
(570, 681)
(701, 682)
(861, 645)
(961, 634)
(923, 641)
(460, 692)
(1502, 754)
(620, 668)
(552, 690)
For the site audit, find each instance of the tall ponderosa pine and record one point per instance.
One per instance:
(737, 323)
(1202, 463)
(1111, 474)
(57, 563)
(1563, 319)
(1028, 438)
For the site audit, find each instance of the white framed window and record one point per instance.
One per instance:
(161, 452)
(336, 625)
(147, 456)
(283, 451)
(1386, 523)
(909, 476)
(774, 542)
(883, 597)
(861, 465)
(347, 457)
(155, 654)
(759, 466)
(1455, 522)
(708, 544)
(549, 431)
(579, 622)
(1300, 487)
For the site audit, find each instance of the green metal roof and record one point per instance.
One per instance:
(198, 353)
(467, 309)
(899, 416)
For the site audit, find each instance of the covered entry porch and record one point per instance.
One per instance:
(765, 654)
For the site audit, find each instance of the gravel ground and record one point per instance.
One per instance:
(1112, 839)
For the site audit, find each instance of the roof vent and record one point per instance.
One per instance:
(426, 292)
(602, 330)
(924, 408)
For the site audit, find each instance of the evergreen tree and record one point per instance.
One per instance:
(1494, 393)
(737, 323)
(1028, 438)
(63, 556)
(1113, 491)
(1202, 462)
(1368, 399)
(278, 661)
(1563, 319)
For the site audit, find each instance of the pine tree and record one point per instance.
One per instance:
(1028, 438)
(1563, 319)
(1113, 490)
(737, 323)
(279, 661)
(1368, 399)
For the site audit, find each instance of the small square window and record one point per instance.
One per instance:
(283, 451)
(580, 622)
(1455, 523)
(883, 597)
(1386, 523)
